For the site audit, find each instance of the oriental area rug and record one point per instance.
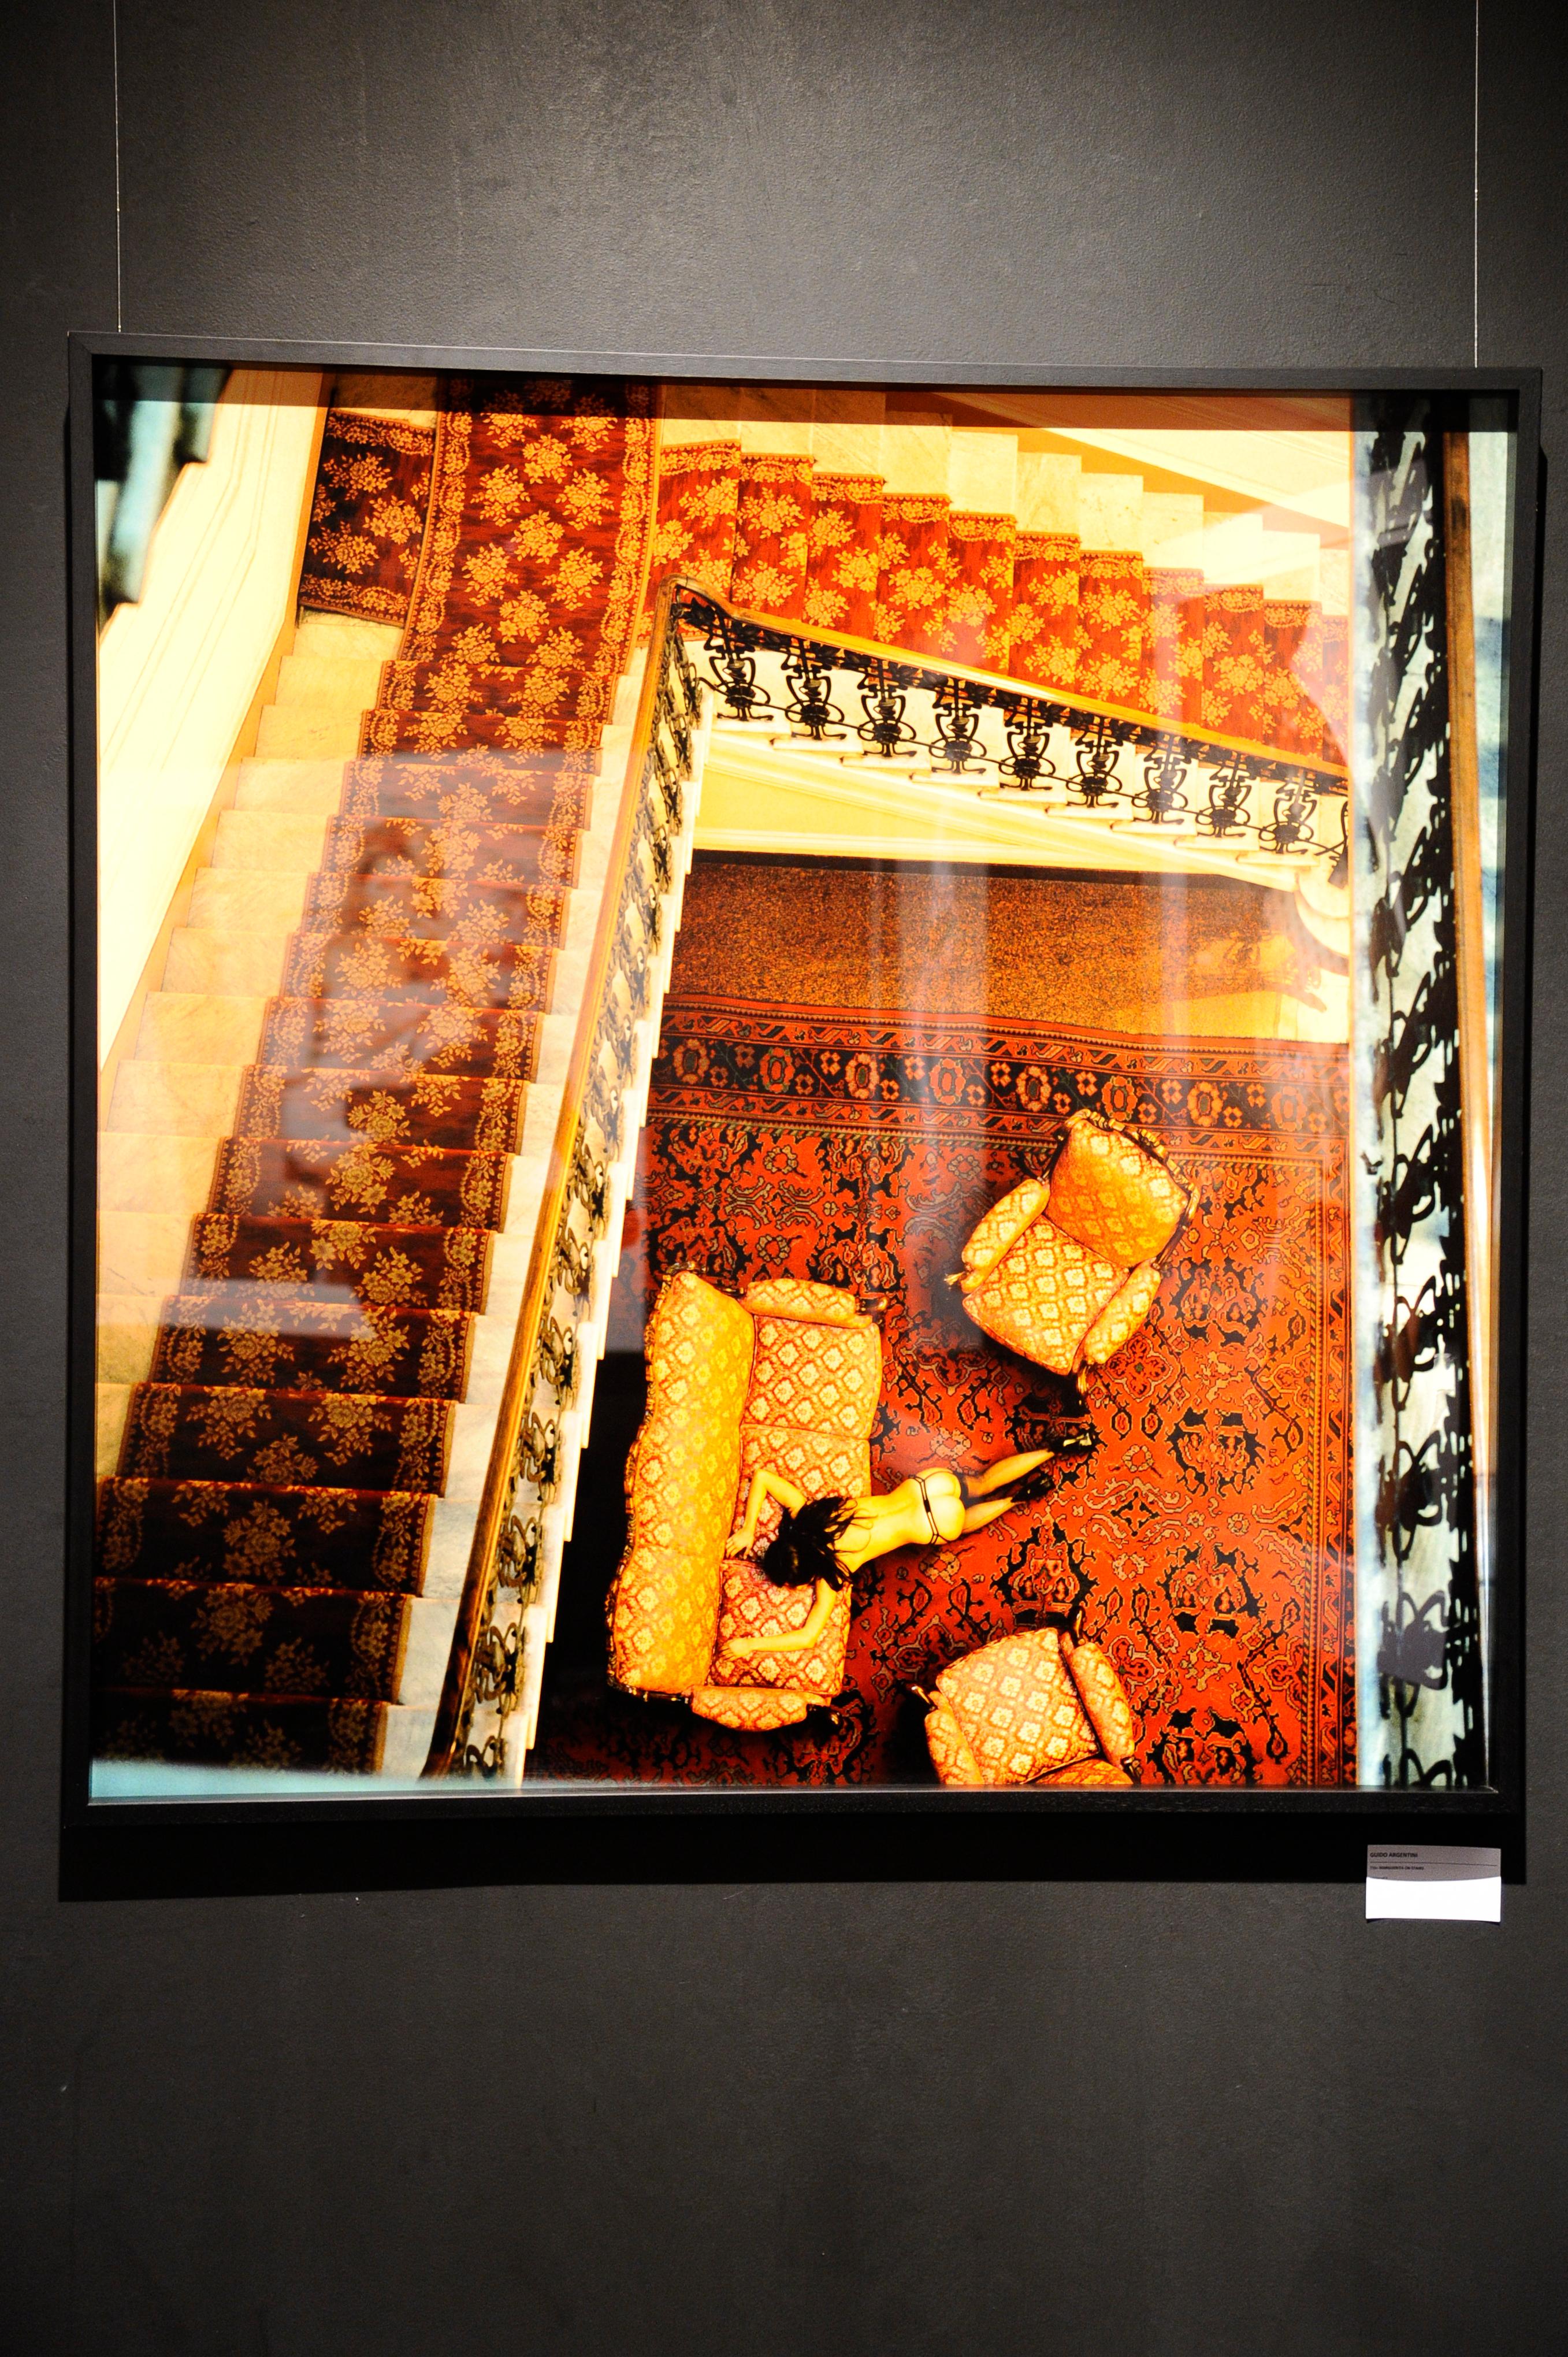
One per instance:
(1204, 1543)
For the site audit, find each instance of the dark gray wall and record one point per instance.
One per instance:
(790, 2090)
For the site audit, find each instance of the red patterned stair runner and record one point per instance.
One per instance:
(268, 1526)
(841, 553)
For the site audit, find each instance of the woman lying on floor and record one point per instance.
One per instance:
(828, 1539)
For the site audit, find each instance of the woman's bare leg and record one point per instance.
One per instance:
(976, 1517)
(1004, 1472)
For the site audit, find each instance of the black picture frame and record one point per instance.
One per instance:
(1499, 1802)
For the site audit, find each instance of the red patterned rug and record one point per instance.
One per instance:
(1207, 1542)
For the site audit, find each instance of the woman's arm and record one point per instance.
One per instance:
(797, 1641)
(765, 1483)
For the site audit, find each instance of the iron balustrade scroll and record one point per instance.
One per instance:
(503, 1615)
(1060, 753)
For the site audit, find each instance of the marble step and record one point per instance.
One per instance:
(407, 1740)
(230, 964)
(345, 635)
(142, 1252)
(127, 1331)
(128, 1326)
(248, 899)
(178, 1100)
(279, 840)
(308, 732)
(425, 1651)
(302, 789)
(187, 1026)
(145, 1253)
(139, 1171)
(348, 681)
(113, 1401)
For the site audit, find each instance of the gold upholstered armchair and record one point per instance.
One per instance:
(1032, 1709)
(1065, 1269)
(787, 1377)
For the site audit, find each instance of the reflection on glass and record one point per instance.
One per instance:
(797, 1088)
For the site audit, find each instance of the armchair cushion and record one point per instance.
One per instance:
(1112, 1195)
(1002, 1226)
(1123, 1314)
(1044, 1296)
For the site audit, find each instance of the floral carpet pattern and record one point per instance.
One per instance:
(367, 515)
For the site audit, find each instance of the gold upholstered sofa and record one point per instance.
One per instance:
(787, 1377)
(1065, 1269)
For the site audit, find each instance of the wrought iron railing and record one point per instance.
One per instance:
(502, 1618)
(1055, 751)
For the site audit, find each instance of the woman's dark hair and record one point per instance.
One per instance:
(804, 1548)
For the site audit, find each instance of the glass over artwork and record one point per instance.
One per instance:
(797, 1088)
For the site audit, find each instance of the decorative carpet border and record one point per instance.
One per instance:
(816, 1064)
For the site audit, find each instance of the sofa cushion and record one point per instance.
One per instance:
(1018, 1707)
(818, 1462)
(662, 1630)
(1044, 1296)
(801, 1296)
(1112, 1196)
(754, 1709)
(750, 1606)
(817, 1377)
(1088, 1773)
(681, 1484)
(824, 1465)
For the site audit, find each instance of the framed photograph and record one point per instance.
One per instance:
(795, 1091)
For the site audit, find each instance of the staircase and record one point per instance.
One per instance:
(228, 1132)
